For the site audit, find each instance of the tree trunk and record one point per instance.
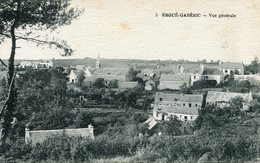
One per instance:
(9, 106)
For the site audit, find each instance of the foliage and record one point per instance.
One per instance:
(113, 84)
(253, 67)
(132, 74)
(23, 20)
(99, 83)
(81, 77)
(204, 84)
(211, 117)
(185, 89)
(171, 127)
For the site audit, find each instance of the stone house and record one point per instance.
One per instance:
(223, 99)
(184, 107)
(173, 81)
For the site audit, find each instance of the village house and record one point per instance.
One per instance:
(232, 67)
(173, 81)
(212, 74)
(223, 99)
(184, 107)
(109, 74)
(73, 75)
(39, 136)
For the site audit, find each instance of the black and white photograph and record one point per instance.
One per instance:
(129, 81)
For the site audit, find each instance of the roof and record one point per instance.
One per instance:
(168, 69)
(226, 96)
(127, 84)
(77, 72)
(41, 135)
(175, 77)
(148, 71)
(179, 97)
(191, 68)
(180, 110)
(111, 73)
(211, 72)
(151, 122)
(80, 67)
(175, 85)
(231, 65)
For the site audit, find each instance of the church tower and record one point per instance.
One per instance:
(98, 62)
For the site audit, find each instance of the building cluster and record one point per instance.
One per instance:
(186, 106)
(42, 64)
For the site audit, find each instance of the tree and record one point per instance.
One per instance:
(254, 67)
(171, 127)
(99, 83)
(81, 77)
(113, 84)
(28, 17)
(185, 89)
(132, 74)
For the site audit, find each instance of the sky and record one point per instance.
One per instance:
(129, 29)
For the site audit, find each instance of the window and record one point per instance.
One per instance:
(189, 104)
(183, 104)
(196, 105)
(226, 71)
(194, 77)
(190, 117)
(185, 118)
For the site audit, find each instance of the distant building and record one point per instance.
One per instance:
(109, 74)
(42, 64)
(73, 75)
(232, 67)
(173, 81)
(247, 77)
(223, 99)
(212, 74)
(184, 107)
(39, 136)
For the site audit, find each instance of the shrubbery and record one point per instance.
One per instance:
(124, 141)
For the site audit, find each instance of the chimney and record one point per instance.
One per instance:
(91, 131)
(27, 135)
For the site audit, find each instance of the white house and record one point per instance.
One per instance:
(73, 76)
(184, 107)
(39, 136)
